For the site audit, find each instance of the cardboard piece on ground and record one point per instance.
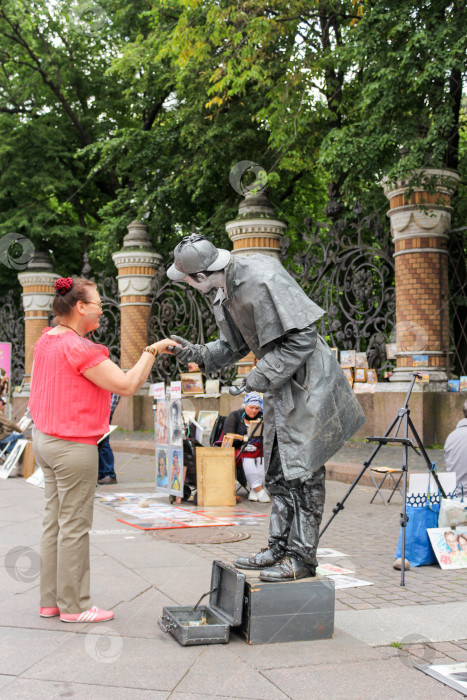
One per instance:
(327, 552)
(331, 570)
(342, 581)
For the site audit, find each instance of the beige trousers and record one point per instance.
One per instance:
(70, 474)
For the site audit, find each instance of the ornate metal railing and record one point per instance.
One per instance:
(347, 268)
(108, 332)
(12, 331)
(177, 308)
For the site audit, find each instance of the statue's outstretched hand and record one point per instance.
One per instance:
(186, 351)
(256, 381)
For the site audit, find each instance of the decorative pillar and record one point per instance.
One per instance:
(136, 262)
(420, 229)
(255, 230)
(38, 293)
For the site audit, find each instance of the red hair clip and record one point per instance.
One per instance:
(63, 285)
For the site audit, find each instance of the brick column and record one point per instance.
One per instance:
(420, 228)
(38, 293)
(136, 262)
(255, 230)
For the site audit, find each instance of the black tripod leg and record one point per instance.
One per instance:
(340, 504)
(404, 518)
(426, 457)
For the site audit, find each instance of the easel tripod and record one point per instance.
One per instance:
(402, 419)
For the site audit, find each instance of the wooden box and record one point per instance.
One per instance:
(27, 461)
(289, 611)
(215, 476)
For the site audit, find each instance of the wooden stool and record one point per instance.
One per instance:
(387, 471)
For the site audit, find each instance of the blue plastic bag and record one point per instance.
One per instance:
(418, 549)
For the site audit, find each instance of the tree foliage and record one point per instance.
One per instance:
(111, 110)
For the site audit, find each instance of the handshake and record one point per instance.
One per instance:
(191, 352)
(186, 352)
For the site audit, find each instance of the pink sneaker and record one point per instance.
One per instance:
(49, 612)
(94, 614)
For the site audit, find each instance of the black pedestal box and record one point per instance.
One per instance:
(260, 612)
(290, 611)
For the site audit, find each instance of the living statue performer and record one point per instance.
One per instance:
(309, 407)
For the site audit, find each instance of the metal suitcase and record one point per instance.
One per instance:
(208, 624)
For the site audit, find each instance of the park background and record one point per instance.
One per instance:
(124, 126)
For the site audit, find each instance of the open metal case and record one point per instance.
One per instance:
(209, 624)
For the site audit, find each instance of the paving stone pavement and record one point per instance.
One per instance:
(136, 575)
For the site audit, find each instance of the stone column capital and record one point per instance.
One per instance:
(256, 229)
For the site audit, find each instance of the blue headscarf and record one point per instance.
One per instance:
(253, 399)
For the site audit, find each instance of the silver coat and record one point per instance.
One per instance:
(307, 399)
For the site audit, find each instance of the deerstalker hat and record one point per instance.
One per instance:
(196, 254)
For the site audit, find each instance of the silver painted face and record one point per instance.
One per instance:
(205, 284)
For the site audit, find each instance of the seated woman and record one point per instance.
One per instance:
(10, 433)
(238, 422)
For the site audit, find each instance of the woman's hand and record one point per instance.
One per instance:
(162, 346)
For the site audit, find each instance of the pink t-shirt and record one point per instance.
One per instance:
(63, 403)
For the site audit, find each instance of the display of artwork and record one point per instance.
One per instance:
(175, 422)
(463, 383)
(162, 479)
(192, 383)
(420, 360)
(449, 546)
(361, 360)
(206, 419)
(176, 472)
(372, 376)
(213, 386)
(454, 385)
(360, 374)
(348, 358)
(424, 378)
(161, 425)
(168, 427)
(391, 349)
(12, 460)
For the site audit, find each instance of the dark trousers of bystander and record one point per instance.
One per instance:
(106, 459)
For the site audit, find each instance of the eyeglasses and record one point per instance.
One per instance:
(97, 303)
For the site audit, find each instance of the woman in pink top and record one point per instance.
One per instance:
(72, 380)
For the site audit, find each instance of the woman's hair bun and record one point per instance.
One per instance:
(63, 285)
